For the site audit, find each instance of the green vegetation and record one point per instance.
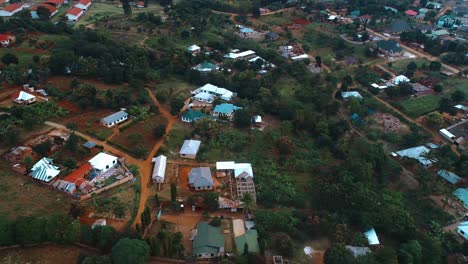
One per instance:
(419, 106)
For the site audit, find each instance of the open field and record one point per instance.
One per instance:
(400, 65)
(21, 196)
(139, 135)
(49, 254)
(416, 107)
(103, 10)
(175, 139)
(452, 84)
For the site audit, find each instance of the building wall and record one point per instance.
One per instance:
(188, 156)
(464, 235)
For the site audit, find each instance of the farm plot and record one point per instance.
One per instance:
(139, 138)
(419, 106)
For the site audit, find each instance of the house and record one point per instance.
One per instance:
(214, 91)
(193, 115)
(399, 79)
(114, 119)
(462, 195)
(245, 30)
(55, 3)
(194, 49)
(208, 241)
(24, 98)
(242, 174)
(257, 120)
(190, 149)
(83, 4)
(351, 94)
(449, 176)
(159, 170)
(44, 170)
(11, 9)
(74, 14)
(250, 237)
(236, 55)
(448, 21)
(461, 108)
(140, 4)
(99, 222)
(7, 39)
(398, 26)
(418, 153)
(52, 10)
(438, 34)
(270, 35)
(206, 67)
(420, 89)
(200, 179)
(300, 57)
(447, 135)
(462, 229)
(78, 176)
(434, 5)
(411, 13)
(65, 186)
(372, 237)
(103, 162)
(264, 11)
(358, 251)
(89, 144)
(389, 48)
(225, 110)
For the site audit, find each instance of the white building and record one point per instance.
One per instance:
(194, 49)
(102, 162)
(236, 55)
(83, 4)
(400, 79)
(190, 149)
(352, 94)
(447, 135)
(372, 237)
(114, 119)
(159, 170)
(210, 89)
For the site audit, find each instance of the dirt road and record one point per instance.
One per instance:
(146, 165)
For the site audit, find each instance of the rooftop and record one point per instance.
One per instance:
(449, 176)
(225, 108)
(208, 239)
(190, 147)
(200, 177)
(114, 117)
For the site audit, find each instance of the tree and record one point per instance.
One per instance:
(43, 13)
(435, 66)
(9, 59)
(43, 148)
(318, 61)
(458, 96)
(242, 118)
(434, 120)
(283, 243)
(446, 105)
(6, 232)
(173, 192)
(176, 105)
(206, 127)
(210, 200)
(105, 237)
(248, 201)
(97, 260)
(72, 143)
(28, 162)
(159, 131)
(338, 254)
(438, 88)
(130, 251)
(411, 66)
(126, 7)
(413, 249)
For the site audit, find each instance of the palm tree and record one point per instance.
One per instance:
(249, 203)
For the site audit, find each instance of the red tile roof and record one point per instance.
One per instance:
(12, 7)
(77, 175)
(411, 12)
(55, 2)
(141, 3)
(75, 11)
(84, 2)
(4, 37)
(49, 7)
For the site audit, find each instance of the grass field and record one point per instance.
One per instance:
(416, 107)
(286, 88)
(21, 196)
(176, 138)
(24, 58)
(452, 84)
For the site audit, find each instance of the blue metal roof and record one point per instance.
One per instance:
(226, 108)
(462, 195)
(89, 144)
(114, 117)
(449, 176)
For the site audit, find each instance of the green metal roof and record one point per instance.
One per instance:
(204, 66)
(193, 115)
(389, 45)
(208, 239)
(399, 26)
(226, 108)
(251, 238)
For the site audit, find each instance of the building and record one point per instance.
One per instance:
(397, 27)
(270, 35)
(78, 176)
(44, 170)
(194, 49)
(300, 57)
(389, 48)
(65, 186)
(208, 241)
(225, 110)
(411, 13)
(462, 196)
(250, 237)
(114, 119)
(140, 4)
(418, 153)
(201, 179)
(206, 67)
(242, 174)
(190, 149)
(399, 79)
(462, 230)
(7, 39)
(214, 91)
(99, 222)
(447, 135)
(351, 94)
(55, 3)
(159, 170)
(434, 5)
(372, 237)
(24, 98)
(358, 251)
(52, 10)
(103, 162)
(420, 89)
(11, 9)
(83, 4)
(236, 55)
(193, 116)
(449, 176)
(74, 14)
(448, 21)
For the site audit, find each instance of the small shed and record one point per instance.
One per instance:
(190, 149)
(159, 170)
(372, 237)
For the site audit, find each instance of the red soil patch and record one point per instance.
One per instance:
(64, 83)
(70, 106)
(300, 21)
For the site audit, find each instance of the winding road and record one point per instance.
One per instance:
(145, 166)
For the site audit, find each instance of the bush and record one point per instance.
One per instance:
(159, 131)
(215, 222)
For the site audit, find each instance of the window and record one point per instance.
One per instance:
(107, 166)
(462, 232)
(212, 254)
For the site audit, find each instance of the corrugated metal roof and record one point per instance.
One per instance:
(190, 147)
(462, 195)
(200, 177)
(159, 170)
(449, 176)
(208, 239)
(44, 170)
(114, 117)
(371, 236)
